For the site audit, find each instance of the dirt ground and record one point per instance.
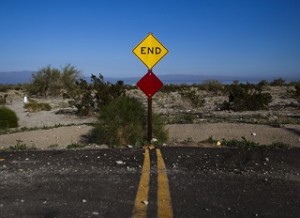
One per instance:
(70, 129)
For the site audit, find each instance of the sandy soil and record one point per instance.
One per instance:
(263, 134)
(190, 134)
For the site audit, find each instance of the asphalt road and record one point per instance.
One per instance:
(182, 182)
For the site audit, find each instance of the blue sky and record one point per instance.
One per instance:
(208, 37)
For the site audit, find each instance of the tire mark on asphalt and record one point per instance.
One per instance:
(141, 200)
(164, 206)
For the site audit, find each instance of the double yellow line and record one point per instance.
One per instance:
(164, 206)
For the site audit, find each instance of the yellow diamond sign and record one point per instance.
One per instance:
(150, 51)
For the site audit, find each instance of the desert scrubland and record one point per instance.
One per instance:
(192, 116)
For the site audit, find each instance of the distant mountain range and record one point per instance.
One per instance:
(26, 76)
(15, 77)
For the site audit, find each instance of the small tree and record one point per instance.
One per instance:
(50, 81)
(68, 76)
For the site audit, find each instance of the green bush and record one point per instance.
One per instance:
(8, 118)
(123, 122)
(34, 106)
(246, 97)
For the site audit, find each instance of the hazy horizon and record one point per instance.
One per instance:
(16, 77)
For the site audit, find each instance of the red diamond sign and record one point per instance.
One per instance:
(150, 84)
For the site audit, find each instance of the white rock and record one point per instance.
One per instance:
(145, 202)
(253, 134)
(154, 140)
(119, 162)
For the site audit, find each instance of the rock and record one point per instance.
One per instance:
(153, 140)
(145, 202)
(95, 213)
(253, 133)
(120, 162)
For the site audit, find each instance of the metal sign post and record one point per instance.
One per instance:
(149, 84)
(149, 135)
(150, 51)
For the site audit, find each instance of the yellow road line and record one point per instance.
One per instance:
(141, 200)
(164, 206)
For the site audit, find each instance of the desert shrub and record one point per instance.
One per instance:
(68, 76)
(278, 145)
(212, 86)
(83, 98)
(90, 97)
(34, 106)
(278, 82)
(50, 81)
(75, 146)
(21, 146)
(7, 87)
(123, 122)
(244, 143)
(4, 87)
(167, 88)
(3, 98)
(263, 83)
(193, 97)
(8, 118)
(296, 93)
(246, 97)
(183, 118)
